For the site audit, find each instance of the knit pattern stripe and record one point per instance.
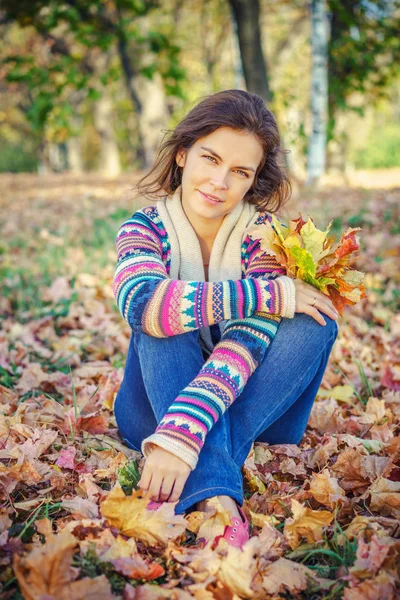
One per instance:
(156, 305)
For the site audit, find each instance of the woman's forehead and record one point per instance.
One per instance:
(231, 143)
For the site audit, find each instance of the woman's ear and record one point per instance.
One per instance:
(181, 157)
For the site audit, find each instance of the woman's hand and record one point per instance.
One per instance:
(305, 295)
(164, 475)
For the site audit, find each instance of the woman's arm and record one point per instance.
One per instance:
(154, 304)
(222, 378)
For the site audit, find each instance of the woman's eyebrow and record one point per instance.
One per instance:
(216, 156)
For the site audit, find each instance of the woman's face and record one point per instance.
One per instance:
(222, 164)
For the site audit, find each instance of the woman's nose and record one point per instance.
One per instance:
(220, 182)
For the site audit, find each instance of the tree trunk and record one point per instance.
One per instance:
(247, 17)
(236, 58)
(110, 164)
(74, 151)
(148, 99)
(319, 92)
(153, 115)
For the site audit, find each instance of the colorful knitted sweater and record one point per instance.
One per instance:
(154, 304)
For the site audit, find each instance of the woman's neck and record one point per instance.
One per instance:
(205, 229)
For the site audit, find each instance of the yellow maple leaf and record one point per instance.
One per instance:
(130, 515)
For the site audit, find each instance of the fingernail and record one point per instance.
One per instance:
(324, 322)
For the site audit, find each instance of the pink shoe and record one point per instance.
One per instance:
(153, 505)
(237, 534)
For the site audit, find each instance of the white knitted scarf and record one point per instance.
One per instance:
(186, 257)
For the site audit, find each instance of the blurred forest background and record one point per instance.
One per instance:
(89, 86)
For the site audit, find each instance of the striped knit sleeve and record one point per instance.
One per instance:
(242, 347)
(154, 304)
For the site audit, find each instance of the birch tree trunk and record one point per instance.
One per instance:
(319, 92)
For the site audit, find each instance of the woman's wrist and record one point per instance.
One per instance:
(276, 296)
(289, 296)
(172, 445)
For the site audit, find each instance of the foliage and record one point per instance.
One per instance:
(380, 149)
(73, 36)
(364, 53)
(16, 159)
(308, 253)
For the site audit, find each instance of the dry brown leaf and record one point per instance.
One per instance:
(214, 520)
(370, 556)
(81, 506)
(47, 570)
(305, 523)
(135, 567)
(357, 470)
(286, 575)
(239, 567)
(381, 587)
(385, 497)
(326, 489)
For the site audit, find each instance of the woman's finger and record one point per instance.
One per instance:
(178, 488)
(145, 479)
(167, 485)
(325, 307)
(312, 292)
(155, 487)
(331, 312)
(313, 312)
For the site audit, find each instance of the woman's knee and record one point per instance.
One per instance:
(305, 330)
(158, 343)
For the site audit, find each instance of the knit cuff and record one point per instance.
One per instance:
(289, 296)
(190, 457)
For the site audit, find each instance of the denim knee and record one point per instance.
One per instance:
(324, 335)
(332, 328)
(139, 337)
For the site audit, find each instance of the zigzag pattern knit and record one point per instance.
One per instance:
(156, 305)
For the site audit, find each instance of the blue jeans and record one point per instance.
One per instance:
(273, 407)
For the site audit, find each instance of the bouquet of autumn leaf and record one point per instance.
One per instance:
(309, 254)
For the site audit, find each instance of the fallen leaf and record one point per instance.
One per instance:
(305, 523)
(47, 570)
(326, 489)
(130, 516)
(385, 497)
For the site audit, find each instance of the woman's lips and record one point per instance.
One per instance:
(210, 200)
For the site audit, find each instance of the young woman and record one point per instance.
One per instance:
(225, 348)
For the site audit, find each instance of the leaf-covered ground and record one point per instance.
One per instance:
(73, 525)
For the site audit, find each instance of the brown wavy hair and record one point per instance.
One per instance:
(242, 111)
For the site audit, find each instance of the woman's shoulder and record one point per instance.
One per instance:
(149, 212)
(146, 216)
(144, 222)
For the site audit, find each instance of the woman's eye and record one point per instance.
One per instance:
(212, 158)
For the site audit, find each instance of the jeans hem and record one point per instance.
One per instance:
(205, 493)
(130, 445)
